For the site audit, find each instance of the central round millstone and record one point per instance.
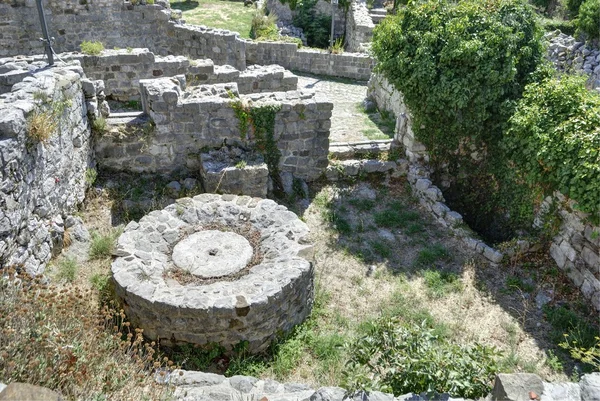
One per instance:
(211, 253)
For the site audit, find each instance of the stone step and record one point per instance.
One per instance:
(377, 18)
(128, 118)
(352, 169)
(344, 151)
(378, 11)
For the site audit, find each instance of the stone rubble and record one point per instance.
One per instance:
(568, 54)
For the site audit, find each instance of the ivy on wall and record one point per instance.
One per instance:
(257, 123)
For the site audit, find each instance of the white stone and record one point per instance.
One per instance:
(212, 253)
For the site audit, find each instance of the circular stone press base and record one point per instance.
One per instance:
(212, 254)
(223, 307)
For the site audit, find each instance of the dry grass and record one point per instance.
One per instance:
(355, 293)
(41, 126)
(58, 337)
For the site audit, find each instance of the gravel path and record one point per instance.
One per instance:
(348, 123)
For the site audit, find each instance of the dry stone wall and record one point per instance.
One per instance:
(576, 247)
(186, 122)
(42, 180)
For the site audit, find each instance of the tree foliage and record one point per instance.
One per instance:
(589, 19)
(460, 66)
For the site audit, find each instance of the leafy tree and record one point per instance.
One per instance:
(460, 66)
(589, 19)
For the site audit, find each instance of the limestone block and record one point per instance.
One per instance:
(22, 391)
(590, 387)
(516, 387)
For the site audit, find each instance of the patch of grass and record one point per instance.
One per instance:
(381, 249)
(194, 357)
(221, 14)
(67, 269)
(99, 125)
(364, 205)
(91, 48)
(515, 283)
(102, 245)
(392, 218)
(431, 254)
(341, 224)
(101, 283)
(567, 321)
(554, 362)
(440, 283)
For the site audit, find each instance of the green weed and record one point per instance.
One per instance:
(431, 254)
(67, 269)
(440, 283)
(91, 48)
(101, 246)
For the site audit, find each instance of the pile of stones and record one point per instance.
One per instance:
(568, 54)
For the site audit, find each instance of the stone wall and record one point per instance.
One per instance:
(186, 122)
(348, 65)
(116, 24)
(359, 27)
(122, 69)
(41, 180)
(575, 248)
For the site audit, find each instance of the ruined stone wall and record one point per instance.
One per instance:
(42, 180)
(575, 248)
(347, 65)
(186, 122)
(359, 27)
(116, 24)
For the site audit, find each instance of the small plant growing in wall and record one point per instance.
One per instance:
(44, 120)
(99, 125)
(258, 124)
(91, 48)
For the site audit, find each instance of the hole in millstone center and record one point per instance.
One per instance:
(213, 252)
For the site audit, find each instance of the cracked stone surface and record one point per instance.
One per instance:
(271, 297)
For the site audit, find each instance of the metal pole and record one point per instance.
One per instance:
(333, 3)
(46, 40)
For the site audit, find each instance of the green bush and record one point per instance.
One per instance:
(573, 7)
(91, 48)
(554, 139)
(264, 27)
(566, 27)
(404, 359)
(460, 66)
(589, 19)
(543, 4)
(316, 27)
